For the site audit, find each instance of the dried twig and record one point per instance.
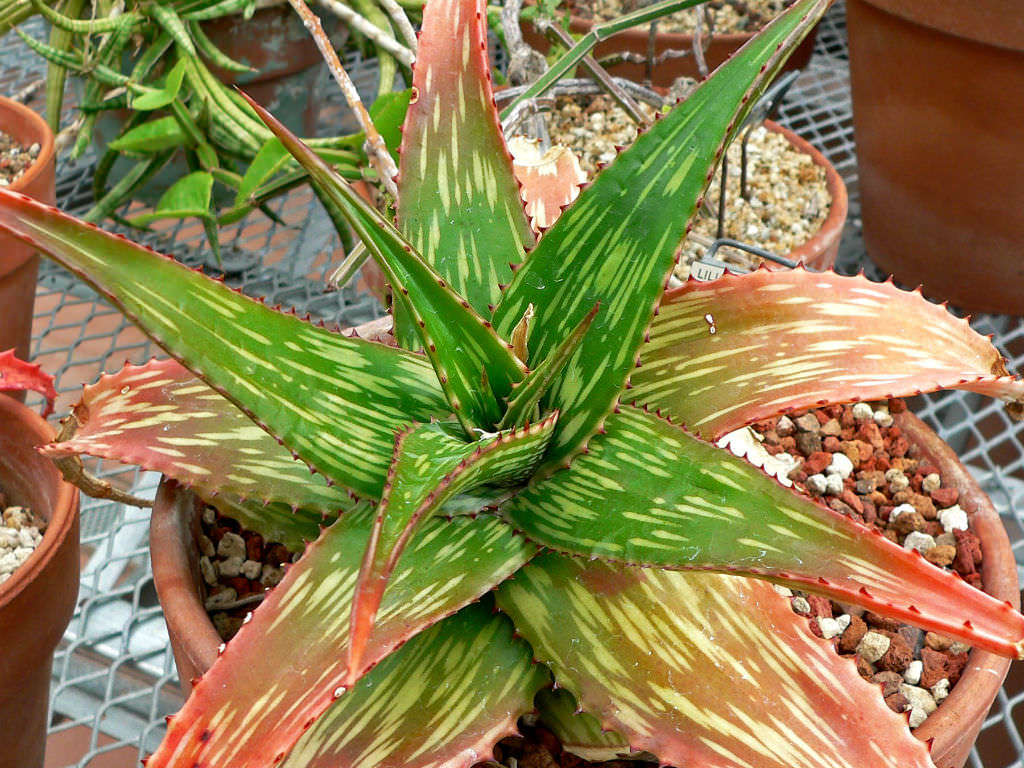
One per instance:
(401, 22)
(376, 150)
(366, 28)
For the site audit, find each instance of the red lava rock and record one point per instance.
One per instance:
(816, 462)
(864, 668)
(820, 606)
(808, 442)
(897, 702)
(870, 511)
(881, 622)
(276, 554)
(831, 444)
(934, 663)
(934, 528)
(899, 446)
(955, 664)
(968, 553)
(852, 634)
(253, 546)
(889, 680)
(831, 428)
(788, 443)
(974, 579)
(851, 498)
(945, 497)
(217, 532)
(896, 405)
(238, 583)
(899, 655)
(868, 432)
(837, 505)
(937, 642)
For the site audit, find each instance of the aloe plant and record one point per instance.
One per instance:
(16, 375)
(488, 493)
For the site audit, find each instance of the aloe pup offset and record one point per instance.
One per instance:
(536, 436)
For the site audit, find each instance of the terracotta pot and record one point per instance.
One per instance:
(37, 601)
(636, 40)
(954, 726)
(939, 147)
(19, 263)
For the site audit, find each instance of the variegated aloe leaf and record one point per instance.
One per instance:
(441, 701)
(649, 493)
(287, 664)
(277, 522)
(746, 347)
(548, 182)
(431, 466)
(704, 669)
(458, 200)
(337, 402)
(161, 417)
(578, 732)
(616, 244)
(476, 368)
(17, 375)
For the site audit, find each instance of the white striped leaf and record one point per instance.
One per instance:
(477, 370)
(458, 200)
(161, 417)
(745, 347)
(577, 731)
(704, 669)
(441, 701)
(287, 663)
(431, 466)
(337, 402)
(615, 246)
(649, 493)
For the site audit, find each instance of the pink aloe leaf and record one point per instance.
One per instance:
(430, 466)
(17, 375)
(432, 703)
(304, 384)
(704, 669)
(615, 246)
(288, 663)
(161, 417)
(745, 347)
(458, 201)
(548, 182)
(649, 493)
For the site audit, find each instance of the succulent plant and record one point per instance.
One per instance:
(18, 376)
(487, 500)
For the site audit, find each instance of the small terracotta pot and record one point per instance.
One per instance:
(19, 263)
(37, 601)
(636, 40)
(954, 726)
(940, 152)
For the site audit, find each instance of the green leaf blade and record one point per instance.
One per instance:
(704, 669)
(648, 493)
(433, 704)
(303, 384)
(615, 246)
(459, 202)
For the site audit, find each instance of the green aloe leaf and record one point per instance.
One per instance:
(649, 493)
(431, 466)
(251, 707)
(704, 669)
(745, 347)
(477, 370)
(305, 385)
(616, 244)
(434, 703)
(161, 417)
(578, 732)
(458, 201)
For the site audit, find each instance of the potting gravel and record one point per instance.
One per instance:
(14, 159)
(852, 458)
(727, 16)
(20, 534)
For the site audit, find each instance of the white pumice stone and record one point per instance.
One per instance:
(230, 567)
(840, 465)
(922, 542)
(873, 646)
(817, 485)
(901, 509)
(862, 411)
(953, 519)
(252, 569)
(912, 674)
(834, 485)
(783, 591)
(801, 606)
(931, 482)
(231, 545)
(843, 620)
(882, 417)
(922, 703)
(940, 690)
(829, 627)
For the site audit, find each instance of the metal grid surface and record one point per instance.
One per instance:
(114, 678)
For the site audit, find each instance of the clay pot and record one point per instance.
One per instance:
(954, 726)
(637, 39)
(37, 601)
(19, 263)
(940, 152)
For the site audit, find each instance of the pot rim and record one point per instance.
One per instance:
(64, 512)
(998, 23)
(38, 130)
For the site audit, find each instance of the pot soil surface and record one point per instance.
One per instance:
(15, 159)
(20, 535)
(854, 459)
